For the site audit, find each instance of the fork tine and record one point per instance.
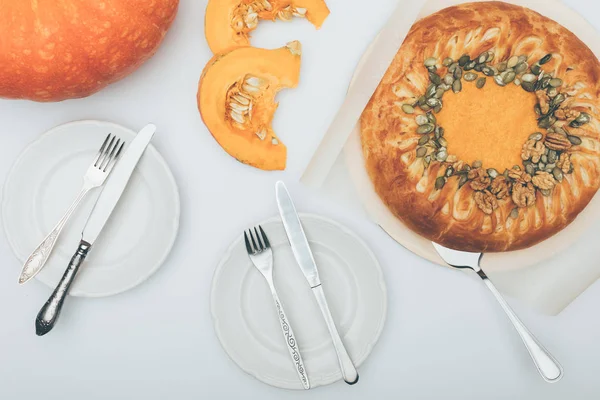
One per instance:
(249, 248)
(101, 151)
(105, 153)
(111, 155)
(260, 243)
(252, 238)
(264, 237)
(114, 159)
(109, 152)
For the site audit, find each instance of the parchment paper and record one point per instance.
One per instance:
(547, 276)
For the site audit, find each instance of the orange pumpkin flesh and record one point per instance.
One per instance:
(228, 23)
(236, 99)
(56, 50)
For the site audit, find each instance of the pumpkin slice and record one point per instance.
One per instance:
(228, 23)
(236, 98)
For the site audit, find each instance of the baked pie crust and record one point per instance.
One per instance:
(444, 163)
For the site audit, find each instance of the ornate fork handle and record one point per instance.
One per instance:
(548, 367)
(48, 315)
(40, 255)
(290, 339)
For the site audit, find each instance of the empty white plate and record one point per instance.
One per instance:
(246, 321)
(47, 177)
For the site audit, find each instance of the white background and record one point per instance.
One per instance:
(446, 338)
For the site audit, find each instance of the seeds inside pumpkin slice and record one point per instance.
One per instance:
(236, 98)
(228, 23)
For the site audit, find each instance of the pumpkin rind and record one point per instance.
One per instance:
(280, 69)
(220, 15)
(57, 50)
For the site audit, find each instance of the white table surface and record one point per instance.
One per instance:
(445, 338)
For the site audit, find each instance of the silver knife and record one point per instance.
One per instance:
(306, 261)
(107, 201)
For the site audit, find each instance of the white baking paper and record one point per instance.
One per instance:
(548, 276)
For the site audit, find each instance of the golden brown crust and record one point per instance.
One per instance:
(55, 50)
(450, 216)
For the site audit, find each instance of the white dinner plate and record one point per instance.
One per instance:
(246, 321)
(47, 177)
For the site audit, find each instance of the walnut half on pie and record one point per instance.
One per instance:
(484, 133)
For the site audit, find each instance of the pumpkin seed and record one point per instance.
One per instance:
(481, 82)
(559, 99)
(431, 118)
(439, 132)
(528, 87)
(541, 166)
(538, 109)
(439, 93)
(556, 82)
(545, 59)
(490, 56)
(529, 78)
(470, 66)
(521, 67)
(530, 169)
(523, 58)
(552, 156)
(544, 159)
(422, 119)
(447, 62)
(440, 182)
(430, 91)
(448, 79)
(508, 77)
(423, 141)
(584, 118)
(536, 136)
(458, 73)
(457, 86)
(502, 66)
(550, 166)
(477, 164)
(493, 173)
(575, 140)
(437, 108)
(463, 180)
(558, 174)
(433, 102)
(426, 128)
(449, 172)
(443, 142)
(482, 58)
(546, 122)
(536, 69)
(545, 82)
(514, 214)
(407, 108)
(442, 155)
(517, 82)
(470, 76)
(488, 71)
(516, 167)
(430, 62)
(421, 151)
(479, 67)
(552, 91)
(453, 68)
(464, 60)
(512, 62)
(435, 78)
(498, 79)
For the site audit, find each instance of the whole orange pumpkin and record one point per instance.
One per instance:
(54, 50)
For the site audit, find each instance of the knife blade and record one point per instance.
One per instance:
(305, 259)
(100, 215)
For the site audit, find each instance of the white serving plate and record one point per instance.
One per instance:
(245, 317)
(44, 181)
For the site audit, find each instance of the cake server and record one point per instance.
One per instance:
(107, 201)
(546, 364)
(306, 261)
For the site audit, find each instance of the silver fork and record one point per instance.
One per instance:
(95, 177)
(261, 255)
